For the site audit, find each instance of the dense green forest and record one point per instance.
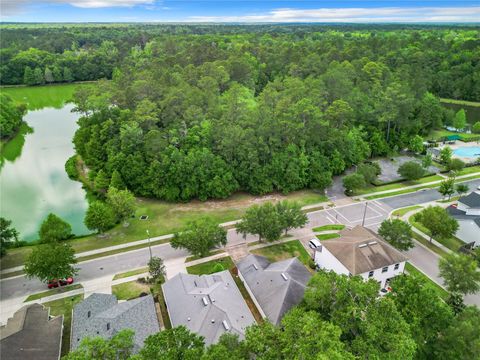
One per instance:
(204, 111)
(11, 115)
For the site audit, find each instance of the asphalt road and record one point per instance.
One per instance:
(375, 212)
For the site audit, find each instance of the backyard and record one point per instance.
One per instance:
(130, 290)
(212, 266)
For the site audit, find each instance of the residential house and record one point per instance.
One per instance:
(31, 334)
(359, 251)
(274, 287)
(209, 305)
(102, 315)
(467, 213)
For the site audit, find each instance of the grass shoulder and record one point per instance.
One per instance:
(401, 212)
(64, 307)
(329, 227)
(59, 290)
(451, 243)
(130, 273)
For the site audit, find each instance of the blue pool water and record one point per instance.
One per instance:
(473, 151)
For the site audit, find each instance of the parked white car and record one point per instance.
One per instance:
(314, 243)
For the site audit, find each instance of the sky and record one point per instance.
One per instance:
(249, 11)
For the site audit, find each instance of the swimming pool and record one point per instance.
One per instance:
(471, 151)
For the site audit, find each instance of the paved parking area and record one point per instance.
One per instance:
(389, 167)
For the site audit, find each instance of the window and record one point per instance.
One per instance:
(396, 266)
(108, 326)
(385, 269)
(370, 274)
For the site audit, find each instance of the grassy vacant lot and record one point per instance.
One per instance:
(284, 251)
(58, 290)
(398, 185)
(130, 273)
(211, 267)
(129, 290)
(64, 307)
(329, 227)
(166, 218)
(452, 242)
(401, 212)
(434, 286)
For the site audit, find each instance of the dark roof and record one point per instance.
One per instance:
(453, 210)
(278, 286)
(31, 335)
(360, 250)
(206, 303)
(101, 315)
(472, 200)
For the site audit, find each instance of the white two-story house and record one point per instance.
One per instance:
(359, 251)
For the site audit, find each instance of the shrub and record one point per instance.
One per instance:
(71, 167)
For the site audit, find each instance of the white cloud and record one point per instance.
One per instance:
(386, 14)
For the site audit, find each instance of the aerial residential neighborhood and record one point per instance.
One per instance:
(239, 180)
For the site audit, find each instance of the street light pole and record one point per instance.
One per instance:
(149, 247)
(364, 213)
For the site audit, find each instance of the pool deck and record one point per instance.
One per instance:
(460, 144)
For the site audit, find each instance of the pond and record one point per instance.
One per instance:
(33, 181)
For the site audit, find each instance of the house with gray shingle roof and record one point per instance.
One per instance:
(209, 305)
(467, 213)
(275, 287)
(31, 335)
(359, 251)
(102, 315)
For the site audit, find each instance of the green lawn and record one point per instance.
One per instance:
(64, 307)
(429, 245)
(434, 286)
(469, 170)
(212, 266)
(130, 273)
(452, 242)
(329, 227)
(58, 290)
(398, 185)
(164, 218)
(401, 212)
(284, 251)
(129, 290)
(406, 191)
(439, 134)
(327, 236)
(211, 253)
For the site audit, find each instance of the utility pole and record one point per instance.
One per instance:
(364, 213)
(149, 247)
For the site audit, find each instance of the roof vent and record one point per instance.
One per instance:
(284, 277)
(195, 283)
(362, 245)
(205, 301)
(225, 325)
(255, 266)
(372, 243)
(213, 321)
(189, 318)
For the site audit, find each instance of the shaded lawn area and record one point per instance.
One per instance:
(166, 218)
(130, 273)
(329, 227)
(428, 244)
(401, 212)
(64, 307)
(284, 251)
(398, 185)
(246, 296)
(210, 267)
(327, 236)
(441, 292)
(129, 290)
(452, 242)
(59, 290)
(157, 292)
